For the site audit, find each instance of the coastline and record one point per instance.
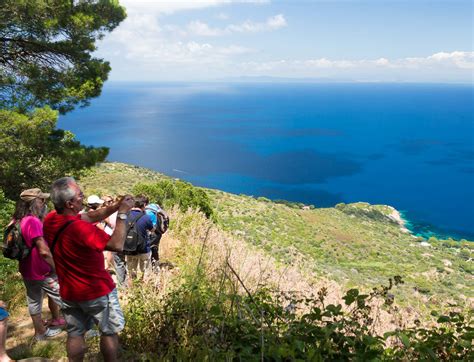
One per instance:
(398, 217)
(427, 231)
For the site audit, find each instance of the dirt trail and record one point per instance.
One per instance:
(20, 337)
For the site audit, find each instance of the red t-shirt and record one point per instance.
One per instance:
(78, 258)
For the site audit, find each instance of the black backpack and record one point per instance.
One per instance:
(134, 241)
(14, 246)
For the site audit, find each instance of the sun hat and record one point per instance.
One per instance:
(31, 194)
(94, 199)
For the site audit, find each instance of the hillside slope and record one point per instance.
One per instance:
(354, 245)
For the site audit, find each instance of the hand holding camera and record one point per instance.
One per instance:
(125, 204)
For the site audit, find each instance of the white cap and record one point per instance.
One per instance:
(94, 199)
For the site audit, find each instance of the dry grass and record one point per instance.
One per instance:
(197, 242)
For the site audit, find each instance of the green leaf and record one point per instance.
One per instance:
(351, 296)
(405, 340)
(444, 319)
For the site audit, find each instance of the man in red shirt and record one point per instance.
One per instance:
(86, 288)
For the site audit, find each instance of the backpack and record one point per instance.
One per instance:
(162, 222)
(134, 241)
(14, 246)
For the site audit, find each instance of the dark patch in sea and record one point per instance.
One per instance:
(217, 157)
(415, 147)
(300, 167)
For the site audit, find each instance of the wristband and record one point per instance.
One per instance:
(122, 216)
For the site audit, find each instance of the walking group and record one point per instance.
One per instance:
(77, 258)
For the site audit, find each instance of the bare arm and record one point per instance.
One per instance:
(93, 216)
(44, 251)
(117, 239)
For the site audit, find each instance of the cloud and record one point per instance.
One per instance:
(200, 28)
(464, 60)
(272, 23)
(456, 59)
(235, 50)
(276, 22)
(144, 39)
(145, 46)
(222, 16)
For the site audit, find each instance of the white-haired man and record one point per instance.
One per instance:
(87, 290)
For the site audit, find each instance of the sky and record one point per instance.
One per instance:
(356, 41)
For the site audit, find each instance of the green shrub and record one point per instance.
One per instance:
(7, 207)
(449, 340)
(168, 193)
(10, 280)
(206, 319)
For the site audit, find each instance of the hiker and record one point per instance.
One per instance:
(160, 221)
(109, 222)
(3, 332)
(114, 262)
(37, 269)
(109, 226)
(93, 203)
(138, 257)
(87, 289)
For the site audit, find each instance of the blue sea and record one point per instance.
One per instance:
(406, 145)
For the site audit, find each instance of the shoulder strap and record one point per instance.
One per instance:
(17, 225)
(69, 222)
(134, 221)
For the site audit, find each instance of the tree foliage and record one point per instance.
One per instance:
(46, 51)
(33, 153)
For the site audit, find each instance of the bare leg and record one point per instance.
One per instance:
(3, 338)
(120, 268)
(40, 329)
(76, 348)
(109, 347)
(109, 260)
(54, 308)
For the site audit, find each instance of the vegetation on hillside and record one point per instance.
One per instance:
(357, 245)
(210, 306)
(254, 281)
